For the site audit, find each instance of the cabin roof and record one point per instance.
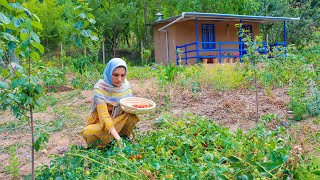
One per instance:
(225, 17)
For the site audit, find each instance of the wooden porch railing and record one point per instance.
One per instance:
(190, 51)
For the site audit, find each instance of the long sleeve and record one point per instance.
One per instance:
(104, 117)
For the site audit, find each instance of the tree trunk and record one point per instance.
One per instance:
(32, 141)
(141, 49)
(145, 12)
(159, 5)
(103, 54)
(127, 39)
(2, 63)
(61, 53)
(114, 46)
(48, 48)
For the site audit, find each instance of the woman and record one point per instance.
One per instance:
(107, 120)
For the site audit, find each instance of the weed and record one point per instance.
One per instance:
(316, 121)
(53, 125)
(14, 126)
(145, 72)
(46, 101)
(81, 64)
(313, 101)
(297, 92)
(13, 167)
(53, 77)
(309, 168)
(86, 80)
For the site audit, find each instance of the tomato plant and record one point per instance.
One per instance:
(191, 147)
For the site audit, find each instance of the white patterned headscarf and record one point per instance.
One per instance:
(106, 92)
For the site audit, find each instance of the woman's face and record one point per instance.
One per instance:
(118, 76)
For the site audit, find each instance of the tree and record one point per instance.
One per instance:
(20, 92)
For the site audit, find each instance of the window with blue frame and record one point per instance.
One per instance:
(208, 36)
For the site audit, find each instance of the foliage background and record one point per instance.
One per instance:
(125, 25)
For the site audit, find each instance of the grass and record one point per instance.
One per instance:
(14, 126)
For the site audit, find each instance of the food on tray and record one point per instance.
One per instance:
(142, 105)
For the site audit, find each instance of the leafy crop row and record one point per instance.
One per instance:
(189, 148)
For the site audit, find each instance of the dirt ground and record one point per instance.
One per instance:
(234, 109)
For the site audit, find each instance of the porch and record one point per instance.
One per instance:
(221, 54)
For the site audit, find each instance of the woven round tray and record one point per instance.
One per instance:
(127, 104)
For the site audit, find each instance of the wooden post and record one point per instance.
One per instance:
(103, 54)
(61, 49)
(141, 51)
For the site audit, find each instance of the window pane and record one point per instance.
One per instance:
(208, 36)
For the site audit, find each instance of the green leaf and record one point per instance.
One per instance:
(83, 15)
(5, 72)
(23, 98)
(77, 7)
(94, 38)
(28, 24)
(27, 12)
(38, 89)
(3, 85)
(18, 82)
(268, 165)
(208, 157)
(243, 177)
(16, 6)
(92, 21)
(26, 54)
(5, 4)
(38, 19)
(30, 101)
(86, 33)
(78, 25)
(24, 44)
(37, 144)
(29, 87)
(234, 159)
(33, 79)
(285, 158)
(18, 22)
(38, 102)
(89, 9)
(156, 165)
(90, 16)
(79, 42)
(9, 37)
(24, 30)
(38, 46)
(23, 36)
(36, 24)
(316, 172)
(12, 45)
(35, 56)
(4, 19)
(223, 160)
(35, 37)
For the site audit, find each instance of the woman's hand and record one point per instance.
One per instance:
(120, 143)
(117, 137)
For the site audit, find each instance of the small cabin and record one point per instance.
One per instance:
(208, 37)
